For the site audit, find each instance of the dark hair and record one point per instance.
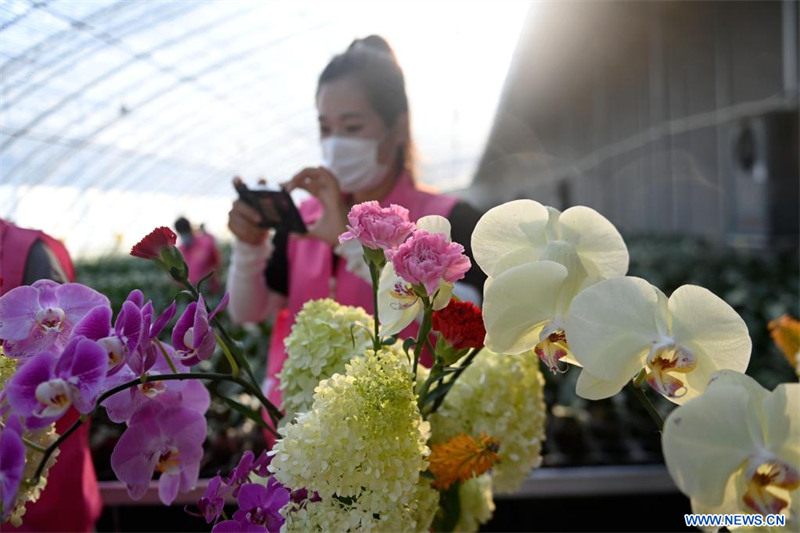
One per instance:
(182, 225)
(372, 63)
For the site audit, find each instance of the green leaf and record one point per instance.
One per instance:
(388, 341)
(407, 344)
(248, 412)
(436, 393)
(204, 278)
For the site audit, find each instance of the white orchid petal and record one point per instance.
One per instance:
(518, 302)
(397, 319)
(509, 235)
(394, 314)
(706, 441)
(710, 327)
(596, 240)
(611, 326)
(732, 378)
(782, 427)
(434, 224)
(594, 388)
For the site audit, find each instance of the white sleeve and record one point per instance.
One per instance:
(250, 298)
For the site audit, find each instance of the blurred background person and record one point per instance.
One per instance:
(200, 251)
(72, 499)
(367, 149)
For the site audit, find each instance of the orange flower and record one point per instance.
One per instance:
(461, 458)
(785, 332)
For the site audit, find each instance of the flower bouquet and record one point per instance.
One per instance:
(369, 437)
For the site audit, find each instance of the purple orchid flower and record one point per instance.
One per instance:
(213, 500)
(147, 352)
(193, 336)
(261, 465)
(12, 466)
(42, 316)
(119, 342)
(47, 385)
(191, 394)
(260, 505)
(164, 439)
(241, 472)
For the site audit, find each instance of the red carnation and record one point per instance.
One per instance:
(151, 246)
(461, 324)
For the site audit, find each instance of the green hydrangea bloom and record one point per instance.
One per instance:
(503, 396)
(361, 447)
(335, 515)
(477, 505)
(7, 368)
(325, 336)
(44, 437)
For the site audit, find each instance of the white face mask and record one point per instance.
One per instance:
(354, 162)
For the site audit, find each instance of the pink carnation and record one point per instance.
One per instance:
(378, 227)
(427, 258)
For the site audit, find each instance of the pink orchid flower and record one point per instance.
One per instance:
(151, 443)
(42, 316)
(47, 385)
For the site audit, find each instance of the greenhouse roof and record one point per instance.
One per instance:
(120, 115)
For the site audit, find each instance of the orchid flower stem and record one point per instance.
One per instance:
(273, 411)
(166, 356)
(640, 395)
(424, 329)
(375, 274)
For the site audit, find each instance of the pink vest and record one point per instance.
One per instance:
(311, 274)
(71, 501)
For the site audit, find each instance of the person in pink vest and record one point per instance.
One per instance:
(367, 149)
(200, 251)
(71, 501)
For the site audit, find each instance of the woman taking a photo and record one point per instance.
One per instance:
(367, 152)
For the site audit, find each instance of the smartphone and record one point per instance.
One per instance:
(276, 208)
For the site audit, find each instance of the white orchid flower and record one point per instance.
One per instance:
(538, 259)
(736, 448)
(523, 309)
(525, 231)
(398, 304)
(620, 326)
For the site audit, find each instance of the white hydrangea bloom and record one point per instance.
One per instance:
(363, 442)
(322, 341)
(477, 505)
(502, 396)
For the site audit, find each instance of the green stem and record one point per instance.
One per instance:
(436, 371)
(375, 274)
(640, 395)
(166, 356)
(463, 366)
(424, 330)
(271, 409)
(228, 355)
(39, 448)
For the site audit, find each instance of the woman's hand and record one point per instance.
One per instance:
(323, 185)
(243, 222)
